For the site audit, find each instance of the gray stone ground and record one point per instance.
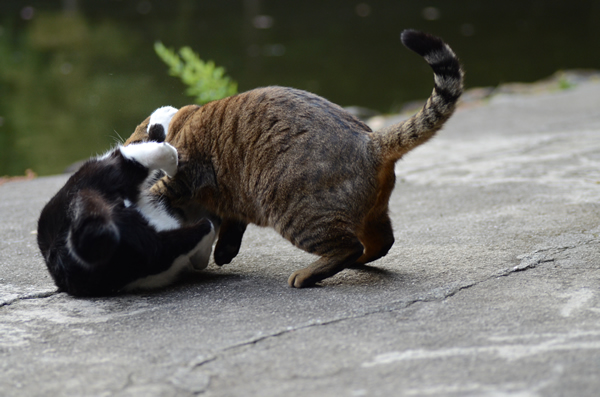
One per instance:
(492, 287)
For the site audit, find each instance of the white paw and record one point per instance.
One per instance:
(166, 158)
(200, 255)
(153, 155)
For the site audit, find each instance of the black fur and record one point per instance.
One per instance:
(157, 133)
(94, 242)
(229, 242)
(421, 43)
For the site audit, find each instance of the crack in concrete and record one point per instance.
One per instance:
(31, 295)
(394, 306)
(541, 256)
(532, 260)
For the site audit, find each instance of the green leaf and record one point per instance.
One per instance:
(205, 81)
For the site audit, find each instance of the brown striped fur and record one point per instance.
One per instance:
(291, 160)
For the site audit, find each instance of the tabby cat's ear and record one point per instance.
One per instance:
(93, 237)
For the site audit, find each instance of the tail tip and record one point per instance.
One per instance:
(420, 42)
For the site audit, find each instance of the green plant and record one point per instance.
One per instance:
(205, 81)
(563, 81)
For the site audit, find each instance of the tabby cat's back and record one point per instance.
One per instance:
(270, 144)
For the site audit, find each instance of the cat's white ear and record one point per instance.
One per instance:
(162, 116)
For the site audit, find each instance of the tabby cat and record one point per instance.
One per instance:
(101, 234)
(294, 161)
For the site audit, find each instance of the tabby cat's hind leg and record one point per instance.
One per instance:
(329, 264)
(377, 236)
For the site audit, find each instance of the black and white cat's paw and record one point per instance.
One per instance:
(158, 126)
(200, 255)
(153, 155)
(195, 259)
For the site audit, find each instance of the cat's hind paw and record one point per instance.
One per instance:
(200, 254)
(301, 279)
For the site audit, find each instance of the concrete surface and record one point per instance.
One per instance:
(492, 287)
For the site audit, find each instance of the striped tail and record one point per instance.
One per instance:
(398, 139)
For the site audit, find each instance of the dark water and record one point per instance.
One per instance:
(75, 75)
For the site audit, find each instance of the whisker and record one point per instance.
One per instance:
(119, 139)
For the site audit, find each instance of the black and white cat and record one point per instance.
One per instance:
(101, 233)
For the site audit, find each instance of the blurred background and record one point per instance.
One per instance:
(75, 75)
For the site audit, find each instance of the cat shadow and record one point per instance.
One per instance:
(187, 280)
(360, 275)
(207, 277)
